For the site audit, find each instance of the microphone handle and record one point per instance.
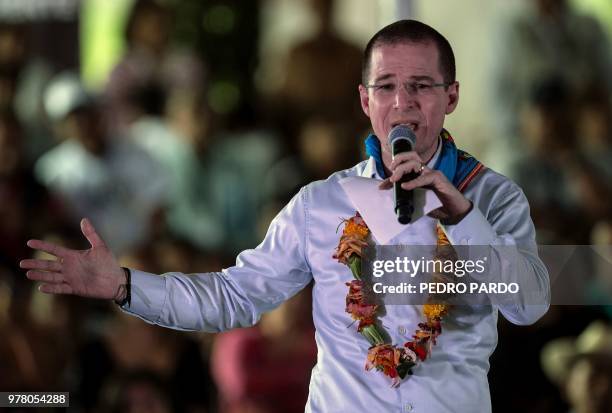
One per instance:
(404, 206)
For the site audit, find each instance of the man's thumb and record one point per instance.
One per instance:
(90, 233)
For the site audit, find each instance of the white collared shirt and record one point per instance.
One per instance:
(298, 247)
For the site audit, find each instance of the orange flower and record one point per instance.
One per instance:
(418, 348)
(358, 307)
(355, 291)
(356, 227)
(432, 311)
(347, 247)
(442, 238)
(393, 361)
(353, 239)
(384, 357)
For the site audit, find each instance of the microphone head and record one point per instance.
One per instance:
(402, 132)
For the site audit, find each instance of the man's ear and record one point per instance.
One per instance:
(364, 99)
(453, 97)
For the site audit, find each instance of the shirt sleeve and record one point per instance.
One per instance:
(499, 227)
(262, 278)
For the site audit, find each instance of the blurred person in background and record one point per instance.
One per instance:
(266, 368)
(211, 199)
(549, 40)
(589, 384)
(320, 77)
(547, 134)
(23, 198)
(23, 77)
(93, 172)
(581, 368)
(122, 344)
(136, 391)
(593, 169)
(566, 185)
(157, 95)
(323, 146)
(152, 70)
(213, 196)
(17, 184)
(12, 55)
(595, 126)
(34, 354)
(599, 285)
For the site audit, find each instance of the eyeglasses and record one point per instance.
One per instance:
(421, 88)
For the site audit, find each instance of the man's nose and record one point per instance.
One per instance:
(405, 97)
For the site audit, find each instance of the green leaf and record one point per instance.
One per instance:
(372, 334)
(355, 265)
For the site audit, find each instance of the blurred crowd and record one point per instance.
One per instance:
(173, 184)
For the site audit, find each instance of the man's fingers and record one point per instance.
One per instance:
(46, 265)
(48, 247)
(405, 168)
(386, 184)
(426, 178)
(438, 213)
(55, 289)
(404, 157)
(45, 276)
(90, 233)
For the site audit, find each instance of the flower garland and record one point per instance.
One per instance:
(393, 361)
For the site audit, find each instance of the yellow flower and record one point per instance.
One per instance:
(432, 311)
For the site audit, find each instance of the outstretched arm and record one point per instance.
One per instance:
(262, 278)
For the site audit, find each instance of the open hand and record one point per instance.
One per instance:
(89, 273)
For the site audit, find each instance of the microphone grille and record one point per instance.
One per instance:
(402, 132)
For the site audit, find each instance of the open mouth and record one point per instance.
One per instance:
(412, 125)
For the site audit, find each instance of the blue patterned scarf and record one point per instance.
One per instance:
(458, 166)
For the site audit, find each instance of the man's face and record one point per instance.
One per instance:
(391, 102)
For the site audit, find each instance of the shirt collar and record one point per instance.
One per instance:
(370, 168)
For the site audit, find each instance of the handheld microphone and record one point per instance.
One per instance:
(403, 139)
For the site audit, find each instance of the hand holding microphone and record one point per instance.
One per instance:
(410, 172)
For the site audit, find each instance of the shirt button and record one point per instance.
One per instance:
(407, 407)
(401, 330)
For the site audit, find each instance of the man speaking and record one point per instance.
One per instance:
(409, 81)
